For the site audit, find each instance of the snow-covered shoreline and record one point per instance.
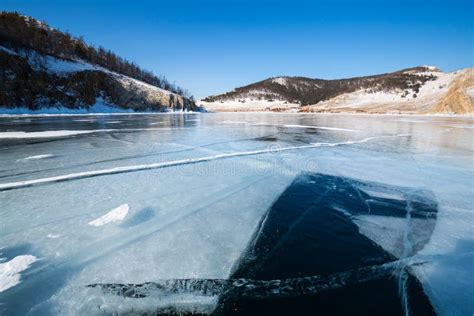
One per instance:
(350, 114)
(4, 115)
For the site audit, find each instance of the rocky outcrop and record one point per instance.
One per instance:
(460, 96)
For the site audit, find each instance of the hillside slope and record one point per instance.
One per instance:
(43, 70)
(422, 89)
(460, 95)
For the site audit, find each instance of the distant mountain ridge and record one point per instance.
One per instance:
(43, 69)
(413, 90)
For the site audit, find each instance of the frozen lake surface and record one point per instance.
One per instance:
(236, 213)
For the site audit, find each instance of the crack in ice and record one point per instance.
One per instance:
(244, 287)
(158, 165)
(402, 269)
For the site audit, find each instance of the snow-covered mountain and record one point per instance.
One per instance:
(423, 89)
(43, 70)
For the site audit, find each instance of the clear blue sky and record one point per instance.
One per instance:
(214, 46)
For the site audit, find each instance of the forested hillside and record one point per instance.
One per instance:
(306, 91)
(43, 67)
(423, 89)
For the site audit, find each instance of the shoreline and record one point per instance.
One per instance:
(2, 115)
(470, 115)
(258, 112)
(433, 115)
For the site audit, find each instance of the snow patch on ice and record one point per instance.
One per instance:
(10, 271)
(115, 215)
(44, 134)
(64, 133)
(37, 156)
(53, 236)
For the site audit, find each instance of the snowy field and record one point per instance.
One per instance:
(128, 199)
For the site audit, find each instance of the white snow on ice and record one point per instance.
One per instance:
(38, 157)
(64, 133)
(115, 215)
(45, 134)
(10, 271)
